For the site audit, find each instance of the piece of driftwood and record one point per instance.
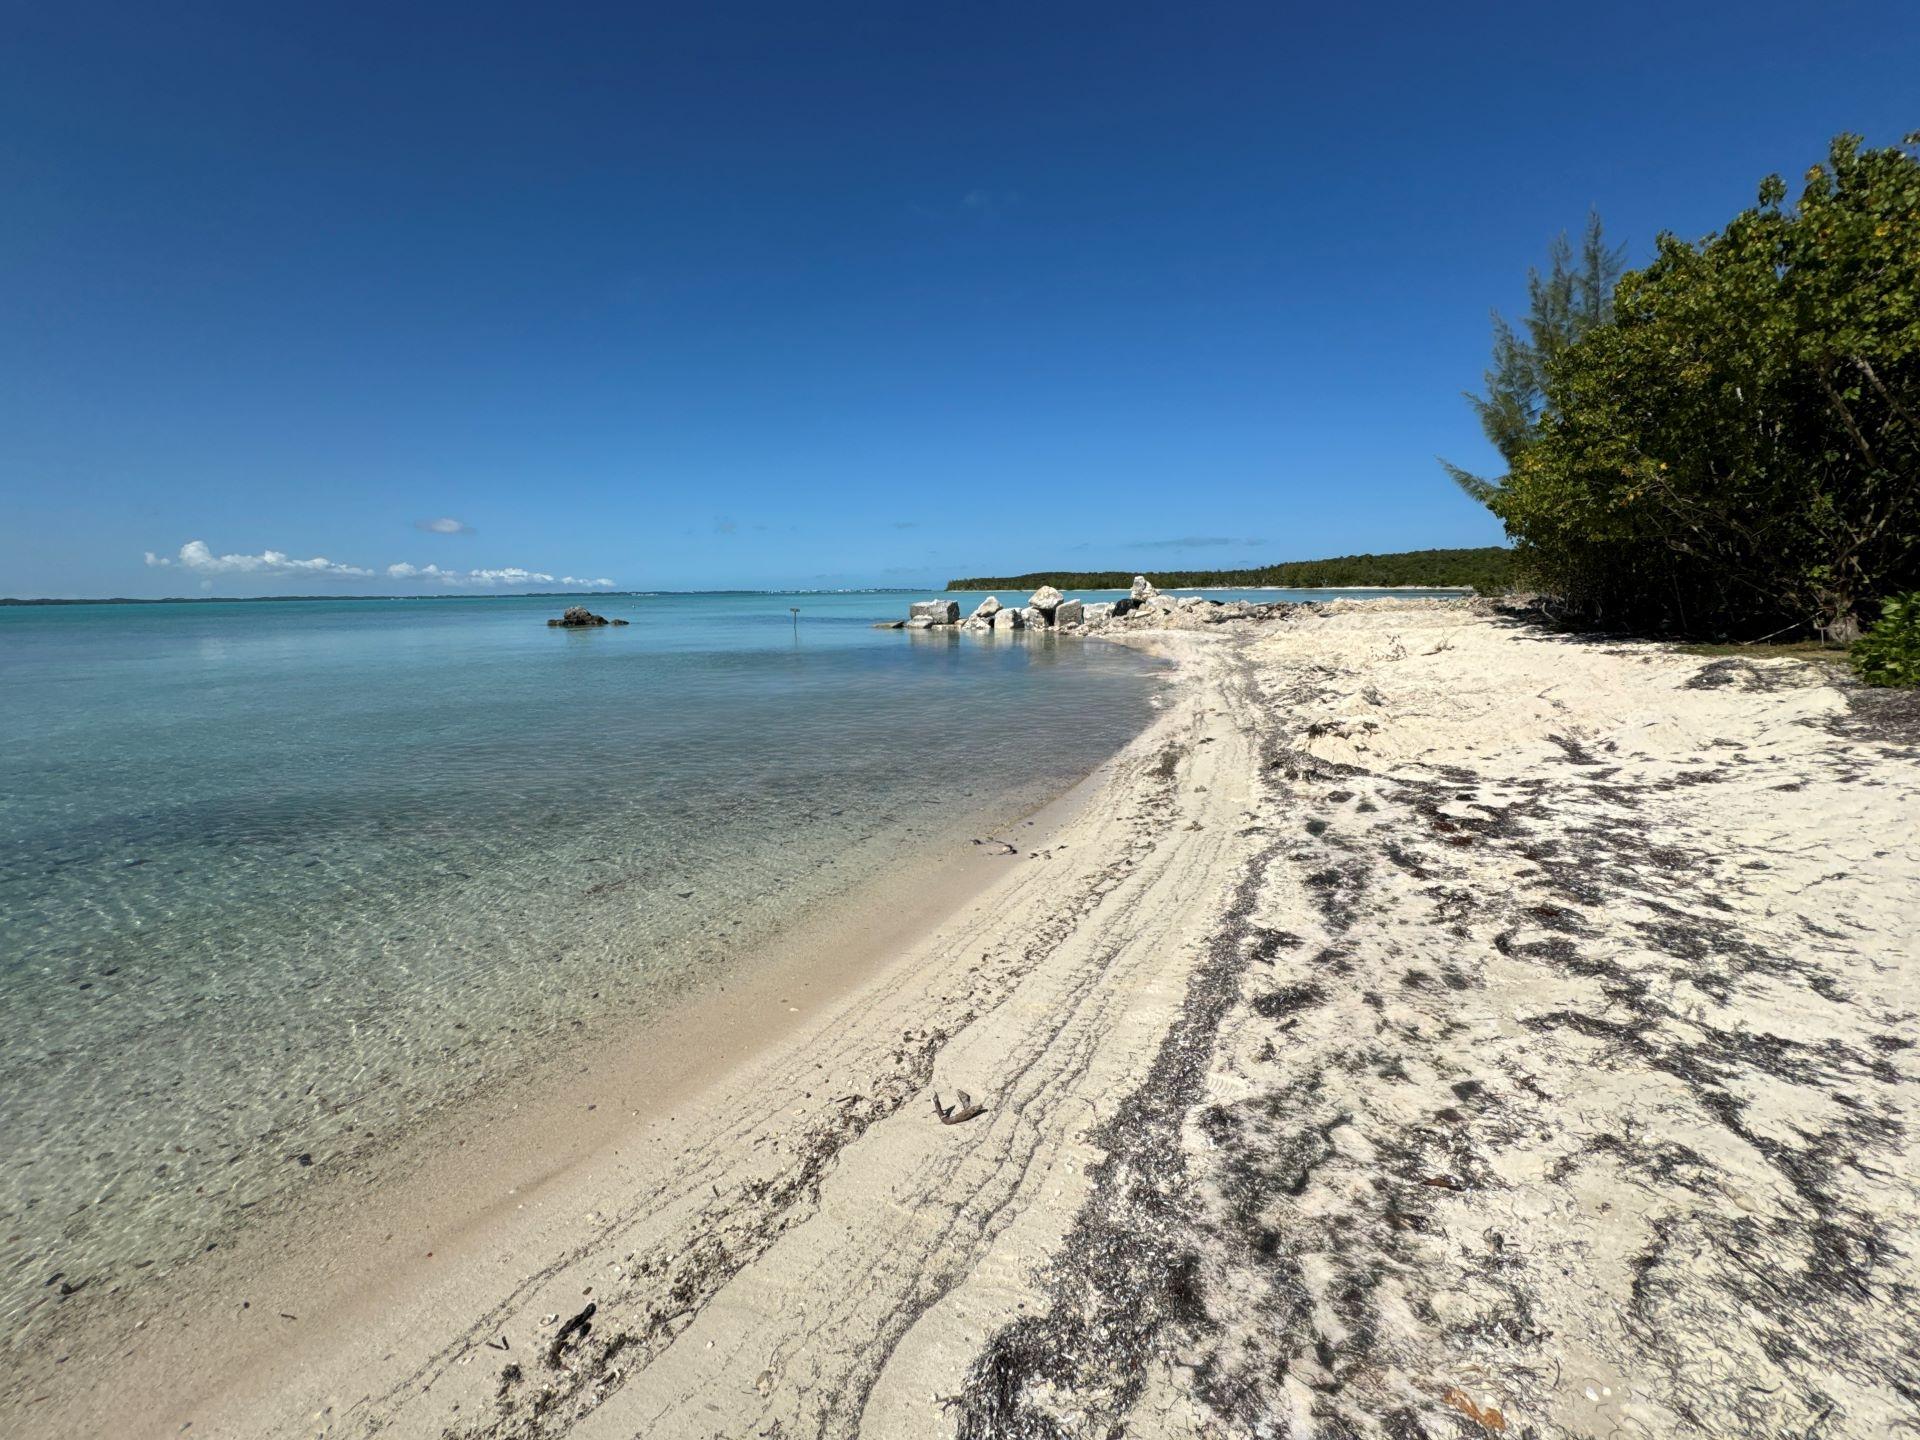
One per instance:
(963, 1108)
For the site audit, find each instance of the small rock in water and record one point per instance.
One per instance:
(578, 616)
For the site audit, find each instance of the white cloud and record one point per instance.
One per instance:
(505, 575)
(445, 525)
(197, 557)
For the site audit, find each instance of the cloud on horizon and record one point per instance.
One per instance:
(505, 575)
(445, 525)
(198, 558)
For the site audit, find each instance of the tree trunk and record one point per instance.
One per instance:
(1839, 622)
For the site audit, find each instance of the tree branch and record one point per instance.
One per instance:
(1873, 378)
(1846, 419)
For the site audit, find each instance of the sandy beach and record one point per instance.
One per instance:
(1430, 1026)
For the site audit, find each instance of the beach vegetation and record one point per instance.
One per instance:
(1570, 299)
(1735, 450)
(1487, 569)
(1889, 652)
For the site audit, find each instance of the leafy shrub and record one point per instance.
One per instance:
(1889, 653)
(1735, 448)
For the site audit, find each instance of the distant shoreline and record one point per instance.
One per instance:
(1488, 569)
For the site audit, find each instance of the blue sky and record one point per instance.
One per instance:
(701, 296)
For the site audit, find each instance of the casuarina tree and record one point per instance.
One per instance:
(1571, 298)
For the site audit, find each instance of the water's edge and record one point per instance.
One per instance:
(452, 1172)
(276, 882)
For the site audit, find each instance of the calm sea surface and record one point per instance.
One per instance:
(279, 879)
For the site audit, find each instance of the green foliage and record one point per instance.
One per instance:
(1889, 653)
(1739, 449)
(1488, 569)
(1562, 305)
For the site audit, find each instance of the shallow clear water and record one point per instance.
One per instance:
(279, 879)
(276, 879)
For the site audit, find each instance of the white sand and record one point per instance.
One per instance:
(1428, 1027)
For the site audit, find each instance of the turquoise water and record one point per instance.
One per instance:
(279, 879)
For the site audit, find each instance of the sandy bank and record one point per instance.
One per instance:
(1429, 1027)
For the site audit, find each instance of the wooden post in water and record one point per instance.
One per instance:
(796, 620)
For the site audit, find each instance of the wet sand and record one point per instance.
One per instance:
(1429, 1026)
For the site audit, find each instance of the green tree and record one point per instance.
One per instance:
(1739, 449)
(1562, 305)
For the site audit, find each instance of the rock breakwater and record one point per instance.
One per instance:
(1048, 609)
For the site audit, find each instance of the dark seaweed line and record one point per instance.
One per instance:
(1128, 1285)
(1124, 1274)
(732, 1234)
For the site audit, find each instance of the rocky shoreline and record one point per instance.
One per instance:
(1047, 609)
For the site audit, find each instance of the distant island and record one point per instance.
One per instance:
(1488, 569)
